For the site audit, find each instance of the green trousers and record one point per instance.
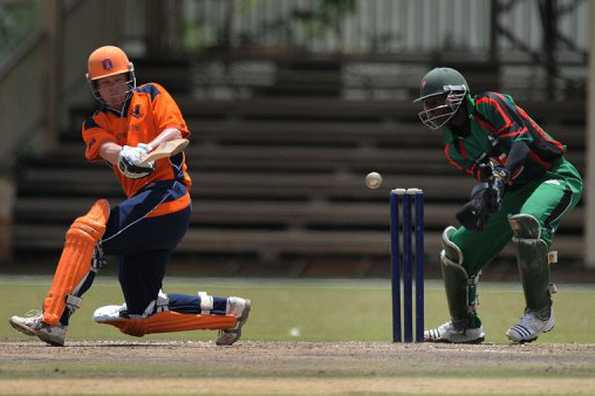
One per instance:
(547, 199)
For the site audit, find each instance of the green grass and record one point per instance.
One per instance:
(316, 310)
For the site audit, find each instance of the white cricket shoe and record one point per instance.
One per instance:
(108, 313)
(240, 308)
(32, 324)
(530, 327)
(447, 333)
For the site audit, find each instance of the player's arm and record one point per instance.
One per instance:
(501, 119)
(110, 152)
(127, 159)
(459, 159)
(515, 161)
(100, 144)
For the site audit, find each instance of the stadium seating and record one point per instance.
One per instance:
(279, 181)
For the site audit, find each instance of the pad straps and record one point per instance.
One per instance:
(206, 303)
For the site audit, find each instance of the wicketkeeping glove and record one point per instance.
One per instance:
(129, 160)
(486, 199)
(474, 214)
(497, 178)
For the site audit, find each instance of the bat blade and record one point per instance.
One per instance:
(166, 149)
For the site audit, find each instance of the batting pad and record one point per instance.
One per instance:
(75, 262)
(163, 322)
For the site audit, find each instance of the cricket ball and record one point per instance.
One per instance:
(373, 180)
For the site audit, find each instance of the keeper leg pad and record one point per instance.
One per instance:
(461, 290)
(75, 261)
(532, 260)
(170, 321)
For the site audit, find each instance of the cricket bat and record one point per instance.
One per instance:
(166, 149)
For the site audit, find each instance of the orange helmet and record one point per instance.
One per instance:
(108, 61)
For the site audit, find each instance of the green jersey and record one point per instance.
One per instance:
(495, 123)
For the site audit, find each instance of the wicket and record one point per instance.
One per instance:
(402, 262)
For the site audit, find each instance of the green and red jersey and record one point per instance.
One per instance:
(496, 122)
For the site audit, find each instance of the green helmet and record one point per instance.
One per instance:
(442, 91)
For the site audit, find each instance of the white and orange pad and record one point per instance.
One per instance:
(162, 322)
(75, 262)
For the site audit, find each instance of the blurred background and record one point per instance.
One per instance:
(291, 103)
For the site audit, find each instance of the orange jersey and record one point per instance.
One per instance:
(149, 111)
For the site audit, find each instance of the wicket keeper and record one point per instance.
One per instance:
(143, 230)
(524, 187)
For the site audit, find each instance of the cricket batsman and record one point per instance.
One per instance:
(143, 230)
(524, 187)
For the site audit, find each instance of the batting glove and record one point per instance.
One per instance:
(129, 160)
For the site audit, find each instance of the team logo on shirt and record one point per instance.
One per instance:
(107, 64)
(136, 112)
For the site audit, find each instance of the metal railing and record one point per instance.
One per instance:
(481, 27)
(536, 47)
(335, 26)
